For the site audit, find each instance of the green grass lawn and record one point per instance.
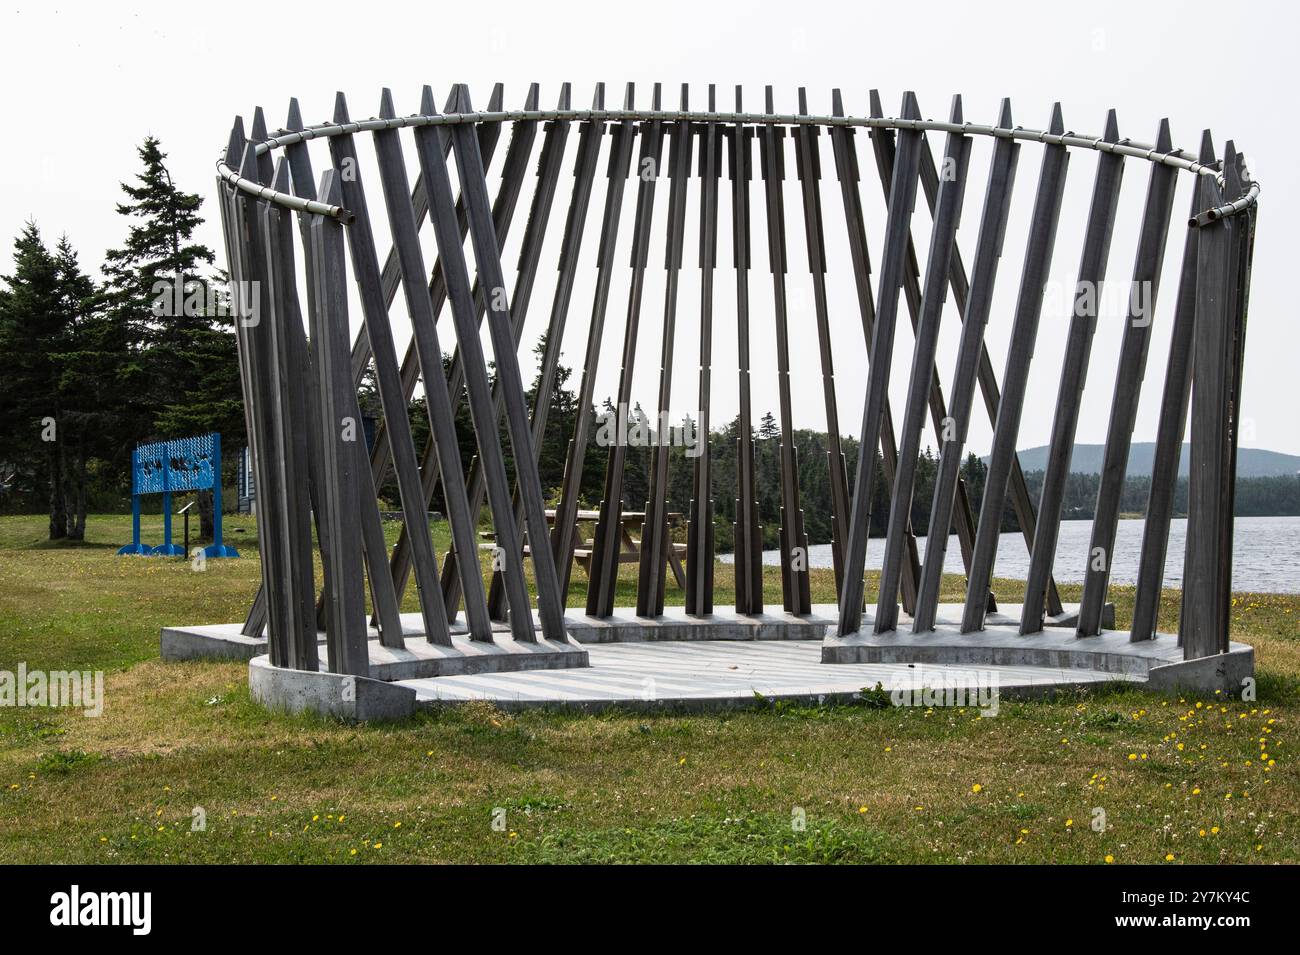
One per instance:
(1178, 779)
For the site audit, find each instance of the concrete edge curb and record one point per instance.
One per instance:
(350, 698)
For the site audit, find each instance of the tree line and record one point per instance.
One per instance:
(147, 352)
(95, 367)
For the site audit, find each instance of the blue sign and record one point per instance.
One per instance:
(164, 467)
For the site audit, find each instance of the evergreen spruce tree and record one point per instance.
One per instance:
(181, 377)
(32, 329)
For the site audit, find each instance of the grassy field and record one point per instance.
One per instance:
(1178, 779)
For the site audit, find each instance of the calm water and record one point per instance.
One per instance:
(1265, 554)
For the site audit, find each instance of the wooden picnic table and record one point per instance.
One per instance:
(629, 547)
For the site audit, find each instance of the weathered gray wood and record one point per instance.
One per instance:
(514, 171)
(902, 200)
(438, 403)
(451, 253)
(846, 165)
(988, 253)
(748, 533)
(808, 162)
(605, 548)
(963, 517)
(623, 138)
(650, 580)
(548, 172)
(1205, 600)
(1015, 380)
(382, 594)
(539, 214)
(239, 219)
(1128, 387)
(231, 229)
(794, 541)
(699, 540)
(1074, 374)
(943, 239)
(341, 481)
(882, 146)
(487, 257)
(489, 133)
(291, 459)
(1169, 432)
(392, 396)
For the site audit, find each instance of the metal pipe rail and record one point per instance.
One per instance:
(1179, 158)
(300, 380)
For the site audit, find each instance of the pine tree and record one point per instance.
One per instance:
(161, 301)
(84, 368)
(32, 328)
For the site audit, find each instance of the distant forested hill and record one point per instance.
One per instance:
(1251, 462)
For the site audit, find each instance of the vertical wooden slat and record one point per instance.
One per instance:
(289, 419)
(808, 162)
(902, 200)
(623, 138)
(249, 294)
(1022, 504)
(438, 403)
(1205, 599)
(382, 594)
(794, 541)
(1128, 386)
(882, 147)
(699, 539)
(392, 395)
(1169, 431)
(451, 253)
(650, 580)
(391, 278)
(988, 253)
(1074, 373)
(748, 533)
(1015, 380)
(548, 173)
(514, 171)
(605, 551)
(943, 239)
(236, 250)
(539, 214)
(487, 257)
(342, 484)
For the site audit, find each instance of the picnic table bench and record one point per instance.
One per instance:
(629, 546)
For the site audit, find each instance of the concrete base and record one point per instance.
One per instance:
(351, 698)
(1159, 662)
(698, 675)
(225, 641)
(377, 697)
(1225, 673)
(420, 659)
(725, 624)
(624, 626)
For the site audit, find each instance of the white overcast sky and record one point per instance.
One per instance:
(84, 83)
